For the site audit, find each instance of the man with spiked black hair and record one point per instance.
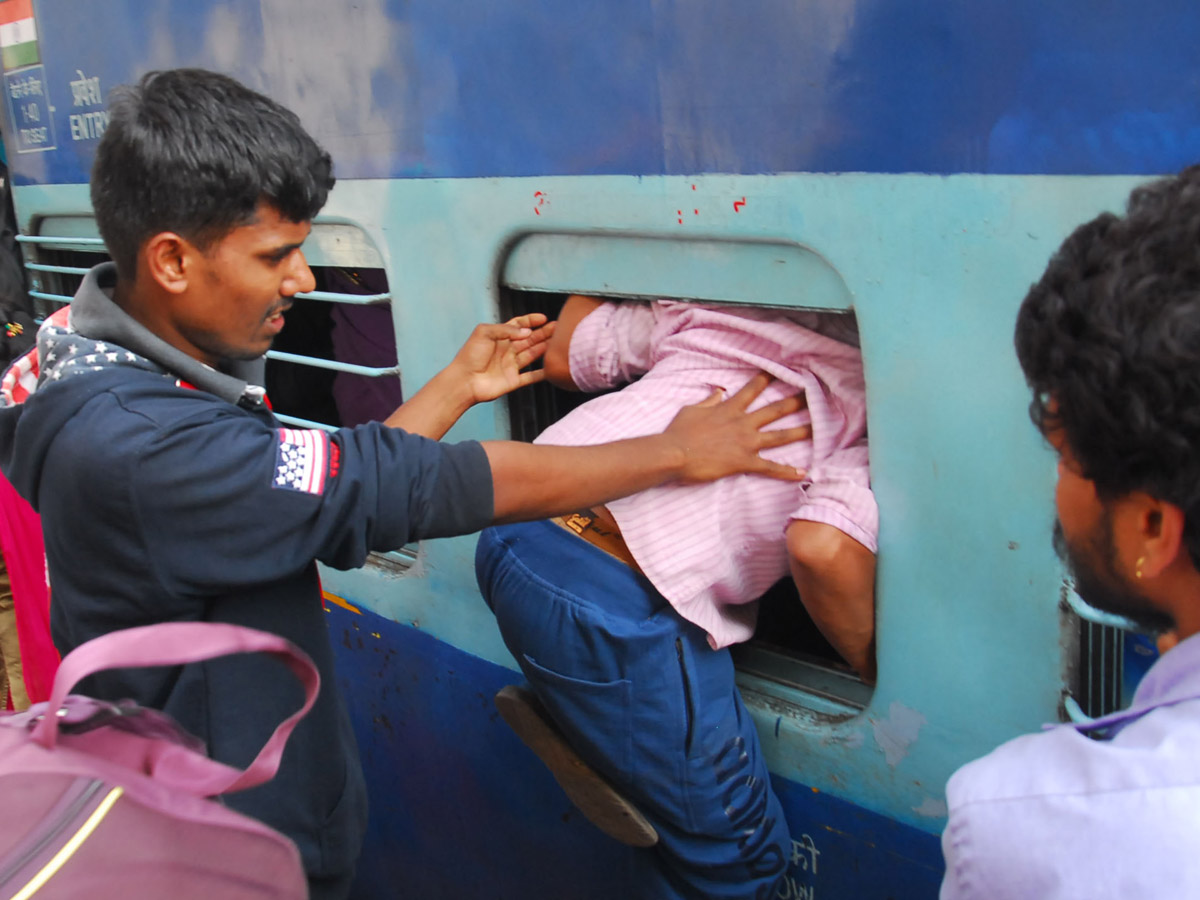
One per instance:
(169, 492)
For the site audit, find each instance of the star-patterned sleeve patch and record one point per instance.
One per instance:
(302, 460)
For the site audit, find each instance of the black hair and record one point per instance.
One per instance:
(194, 152)
(1109, 340)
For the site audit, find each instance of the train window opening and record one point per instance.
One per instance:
(54, 272)
(532, 409)
(1098, 679)
(787, 648)
(334, 364)
(1104, 658)
(335, 361)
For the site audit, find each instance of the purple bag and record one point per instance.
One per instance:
(107, 800)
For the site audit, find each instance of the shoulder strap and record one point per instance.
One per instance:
(177, 643)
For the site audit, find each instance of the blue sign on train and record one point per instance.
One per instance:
(29, 109)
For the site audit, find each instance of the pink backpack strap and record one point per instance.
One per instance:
(177, 643)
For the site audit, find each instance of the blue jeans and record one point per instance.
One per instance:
(644, 700)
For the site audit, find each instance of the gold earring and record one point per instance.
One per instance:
(1138, 567)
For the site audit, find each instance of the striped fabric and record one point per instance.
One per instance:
(712, 549)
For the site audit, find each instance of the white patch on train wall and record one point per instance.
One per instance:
(167, 48)
(223, 43)
(688, 111)
(933, 808)
(323, 61)
(897, 733)
(851, 740)
(320, 59)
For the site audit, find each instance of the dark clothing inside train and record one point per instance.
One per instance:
(346, 332)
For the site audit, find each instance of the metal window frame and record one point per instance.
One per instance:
(395, 560)
(88, 243)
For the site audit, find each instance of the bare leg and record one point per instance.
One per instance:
(835, 576)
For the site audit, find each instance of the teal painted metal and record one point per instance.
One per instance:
(333, 365)
(65, 270)
(638, 265)
(53, 298)
(969, 589)
(66, 241)
(351, 299)
(303, 423)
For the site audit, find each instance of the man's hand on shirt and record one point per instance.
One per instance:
(704, 442)
(719, 437)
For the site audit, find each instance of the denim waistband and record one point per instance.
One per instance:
(564, 559)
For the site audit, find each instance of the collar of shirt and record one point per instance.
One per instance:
(95, 315)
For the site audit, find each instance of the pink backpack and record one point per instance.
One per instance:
(107, 800)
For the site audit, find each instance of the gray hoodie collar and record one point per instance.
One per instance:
(96, 319)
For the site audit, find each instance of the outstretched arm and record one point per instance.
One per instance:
(489, 365)
(703, 443)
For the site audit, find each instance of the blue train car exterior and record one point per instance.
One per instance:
(914, 162)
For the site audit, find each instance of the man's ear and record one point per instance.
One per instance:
(1160, 526)
(168, 260)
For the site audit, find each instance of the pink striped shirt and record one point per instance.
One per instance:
(713, 549)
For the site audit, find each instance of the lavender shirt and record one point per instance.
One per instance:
(713, 549)
(1060, 815)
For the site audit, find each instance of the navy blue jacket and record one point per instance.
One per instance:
(163, 502)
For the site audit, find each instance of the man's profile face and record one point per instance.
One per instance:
(1085, 539)
(240, 287)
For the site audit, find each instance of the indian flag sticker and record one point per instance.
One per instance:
(18, 34)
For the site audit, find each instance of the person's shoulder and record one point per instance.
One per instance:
(166, 401)
(1028, 765)
(121, 411)
(1155, 751)
(1059, 814)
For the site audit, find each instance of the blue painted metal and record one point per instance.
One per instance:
(351, 299)
(461, 808)
(65, 270)
(624, 265)
(53, 298)
(86, 242)
(1085, 610)
(333, 365)
(422, 88)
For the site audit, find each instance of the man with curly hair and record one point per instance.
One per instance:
(1109, 341)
